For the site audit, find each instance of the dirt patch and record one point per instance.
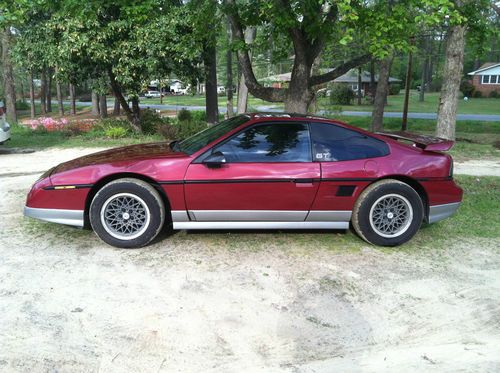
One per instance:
(477, 167)
(236, 302)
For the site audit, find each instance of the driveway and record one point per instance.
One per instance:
(236, 301)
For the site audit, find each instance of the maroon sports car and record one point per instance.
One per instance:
(256, 171)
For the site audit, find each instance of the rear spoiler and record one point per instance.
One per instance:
(425, 142)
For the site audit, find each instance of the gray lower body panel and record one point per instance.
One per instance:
(440, 212)
(68, 217)
(260, 219)
(261, 225)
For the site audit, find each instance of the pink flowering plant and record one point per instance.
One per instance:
(50, 124)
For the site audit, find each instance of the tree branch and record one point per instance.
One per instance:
(339, 70)
(255, 88)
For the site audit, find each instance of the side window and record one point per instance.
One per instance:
(274, 142)
(335, 143)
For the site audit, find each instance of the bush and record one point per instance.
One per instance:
(115, 132)
(104, 124)
(184, 115)
(168, 131)
(186, 129)
(22, 105)
(394, 89)
(477, 94)
(150, 121)
(467, 88)
(494, 94)
(199, 115)
(341, 94)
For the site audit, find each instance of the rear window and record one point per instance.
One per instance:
(334, 143)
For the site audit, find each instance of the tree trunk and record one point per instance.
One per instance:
(103, 106)
(229, 74)
(32, 96)
(49, 90)
(406, 101)
(372, 81)
(242, 104)
(133, 118)
(43, 92)
(211, 99)
(95, 103)
(59, 94)
(9, 87)
(381, 94)
(452, 75)
(116, 108)
(72, 99)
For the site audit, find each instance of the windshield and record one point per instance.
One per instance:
(196, 142)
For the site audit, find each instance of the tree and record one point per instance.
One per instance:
(471, 16)
(8, 76)
(381, 94)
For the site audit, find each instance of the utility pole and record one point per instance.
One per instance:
(404, 123)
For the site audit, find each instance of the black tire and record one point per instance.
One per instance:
(127, 213)
(388, 226)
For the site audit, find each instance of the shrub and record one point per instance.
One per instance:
(115, 132)
(394, 89)
(199, 115)
(149, 122)
(494, 94)
(186, 129)
(341, 94)
(477, 94)
(22, 105)
(168, 131)
(113, 122)
(467, 88)
(184, 115)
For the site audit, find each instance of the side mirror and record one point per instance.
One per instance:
(215, 160)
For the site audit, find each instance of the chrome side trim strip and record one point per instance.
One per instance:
(179, 215)
(247, 215)
(440, 212)
(316, 215)
(261, 225)
(68, 217)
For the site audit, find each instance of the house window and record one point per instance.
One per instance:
(490, 79)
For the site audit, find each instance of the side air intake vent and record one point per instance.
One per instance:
(345, 190)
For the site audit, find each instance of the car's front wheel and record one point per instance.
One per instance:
(388, 213)
(127, 213)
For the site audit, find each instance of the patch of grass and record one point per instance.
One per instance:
(23, 137)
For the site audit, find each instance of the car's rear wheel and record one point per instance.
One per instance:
(127, 213)
(388, 213)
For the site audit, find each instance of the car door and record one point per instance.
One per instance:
(265, 173)
(349, 162)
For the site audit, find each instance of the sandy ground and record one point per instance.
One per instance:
(195, 303)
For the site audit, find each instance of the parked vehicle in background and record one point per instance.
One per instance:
(256, 171)
(4, 126)
(153, 94)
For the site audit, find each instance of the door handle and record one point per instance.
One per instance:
(303, 181)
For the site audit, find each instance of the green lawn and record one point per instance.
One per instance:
(395, 103)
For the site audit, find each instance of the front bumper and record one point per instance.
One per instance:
(68, 217)
(440, 212)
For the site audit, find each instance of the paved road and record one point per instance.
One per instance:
(222, 109)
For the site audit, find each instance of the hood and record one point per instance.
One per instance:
(125, 153)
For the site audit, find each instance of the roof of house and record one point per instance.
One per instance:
(350, 77)
(485, 66)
